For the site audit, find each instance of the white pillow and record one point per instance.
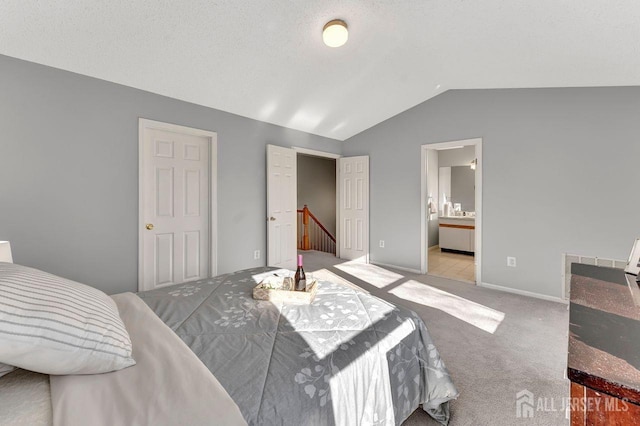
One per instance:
(5, 369)
(53, 325)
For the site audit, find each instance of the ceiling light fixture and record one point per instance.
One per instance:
(335, 33)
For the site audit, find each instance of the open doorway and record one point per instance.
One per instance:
(316, 203)
(351, 204)
(452, 209)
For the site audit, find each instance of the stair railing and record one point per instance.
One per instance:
(312, 234)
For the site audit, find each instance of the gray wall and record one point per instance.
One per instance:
(69, 173)
(317, 188)
(463, 187)
(555, 162)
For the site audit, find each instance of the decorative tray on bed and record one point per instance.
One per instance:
(281, 291)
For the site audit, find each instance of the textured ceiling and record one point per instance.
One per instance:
(265, 59)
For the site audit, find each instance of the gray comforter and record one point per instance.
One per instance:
(349, 358)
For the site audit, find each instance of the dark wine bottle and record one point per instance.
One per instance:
(300, 278)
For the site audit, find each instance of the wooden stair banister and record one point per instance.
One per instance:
(305, 223)
(322, 226)
(315, 236)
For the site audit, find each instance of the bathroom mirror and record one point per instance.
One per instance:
(458, 184)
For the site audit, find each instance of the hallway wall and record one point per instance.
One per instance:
(317, 188)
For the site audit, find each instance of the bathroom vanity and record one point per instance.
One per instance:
(457, 233)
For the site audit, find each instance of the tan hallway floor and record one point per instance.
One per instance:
(452, 265)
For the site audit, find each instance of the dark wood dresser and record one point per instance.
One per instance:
(604, 347)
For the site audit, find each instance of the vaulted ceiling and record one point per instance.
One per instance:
(265, 59)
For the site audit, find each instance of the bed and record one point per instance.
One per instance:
(206, 349)
(348, 358)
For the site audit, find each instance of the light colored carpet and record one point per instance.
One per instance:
(527, 350)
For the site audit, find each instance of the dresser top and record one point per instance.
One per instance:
(604, 331)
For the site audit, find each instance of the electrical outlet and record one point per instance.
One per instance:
(256, 254)
(511, 262)
(381, 243)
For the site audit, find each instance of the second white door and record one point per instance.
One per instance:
(353, 208)
(175, 204)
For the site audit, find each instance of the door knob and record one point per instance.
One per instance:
(149, 226)
(272, 218)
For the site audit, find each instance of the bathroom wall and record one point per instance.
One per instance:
(444, 185)
(434, 193)
(457, 157)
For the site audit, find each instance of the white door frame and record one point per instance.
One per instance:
(146, 124)
(316, 153)
(324, 154)
(424, 226)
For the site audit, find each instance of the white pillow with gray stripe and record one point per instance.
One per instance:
(53, 325)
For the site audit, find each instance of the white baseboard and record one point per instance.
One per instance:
(400, 268)
(524, 293)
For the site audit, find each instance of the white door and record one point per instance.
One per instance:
(281, 207)
(175, 176)
(353, 208)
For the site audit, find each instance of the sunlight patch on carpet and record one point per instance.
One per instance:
(473, 313)
(372, 274)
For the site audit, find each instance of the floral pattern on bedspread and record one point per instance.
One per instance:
(348, 358)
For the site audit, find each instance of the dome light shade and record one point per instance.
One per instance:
(335, 33)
